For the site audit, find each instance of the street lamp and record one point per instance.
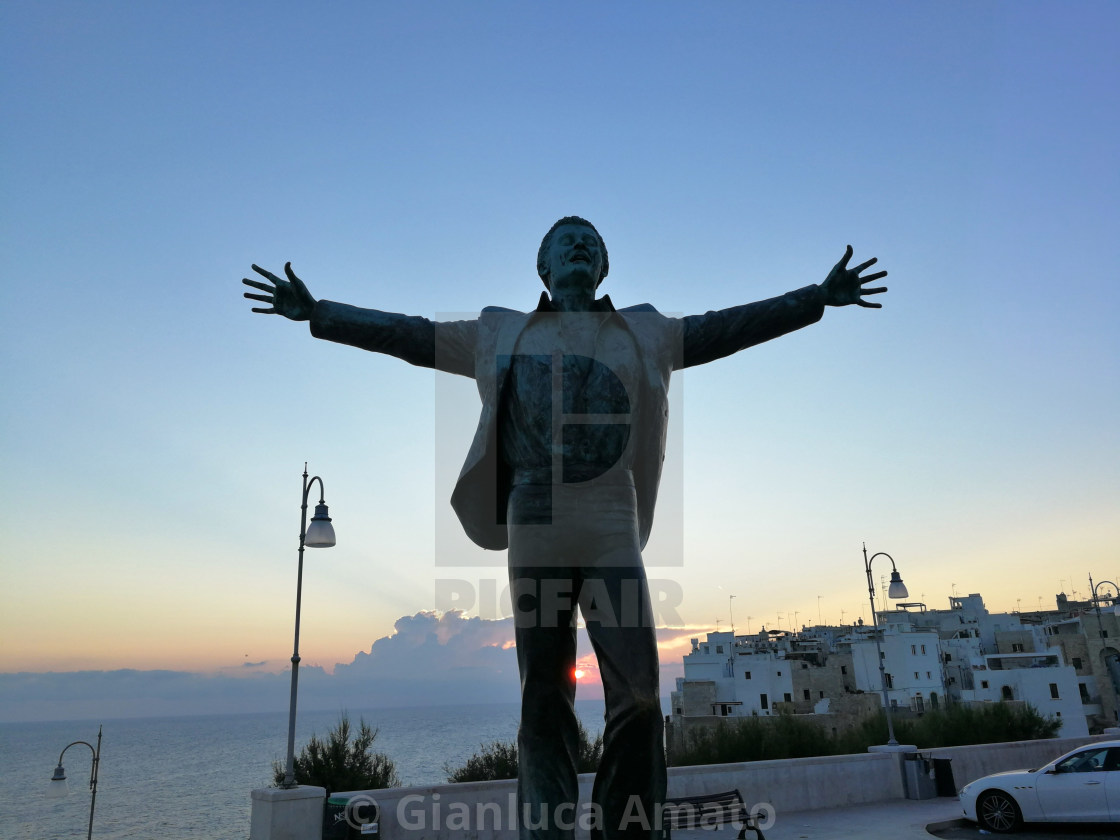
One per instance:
(59, 788)
(319, 534)
(897, 590)
(1097, 601)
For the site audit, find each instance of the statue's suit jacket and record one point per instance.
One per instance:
(482, 349)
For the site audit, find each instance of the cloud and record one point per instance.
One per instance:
(429, 659)
(432, 657)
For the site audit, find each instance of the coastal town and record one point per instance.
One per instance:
(1064, 662)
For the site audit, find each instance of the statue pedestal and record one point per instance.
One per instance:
(287, 813)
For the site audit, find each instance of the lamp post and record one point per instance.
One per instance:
(319, 534)
(58, 786)
(1097, 601)
(1100, 628)
(897, 590)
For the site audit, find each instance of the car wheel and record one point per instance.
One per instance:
(998, 812)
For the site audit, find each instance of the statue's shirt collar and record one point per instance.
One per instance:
(603, 304)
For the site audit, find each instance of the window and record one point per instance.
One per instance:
(707, 649)
(890, 680)
(779, 673)
(844, 670)
(804, 666)
(1007, 693)
(820, 694)
(929, 675)
(808, 695)
(923, 649)
(719, 648)
(746, 675)
(948, 657)
(1054, 691)
(763, 701)
(1086, 761)
(1084, 692)
(1016, 647)
(914, 650)
(916, 675)
(1077, 662)
(788, 697)
(983, 683)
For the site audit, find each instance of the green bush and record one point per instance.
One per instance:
(784, 736)
(498, 760)
(339, 763)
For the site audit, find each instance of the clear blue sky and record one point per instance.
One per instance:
(409, 157)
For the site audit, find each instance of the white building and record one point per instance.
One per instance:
(1040, 679)
(912, 663)
(748, 675)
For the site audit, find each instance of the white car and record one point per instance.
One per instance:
(1081, 786)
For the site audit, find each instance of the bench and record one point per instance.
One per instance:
(709, 811)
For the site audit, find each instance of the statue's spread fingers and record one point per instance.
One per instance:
(267, 274)
(860, 302)
(269, 311)
(867, 264)
(847, 256)
(877, 291)
(263, 298)
(258, 285)
(878, 275)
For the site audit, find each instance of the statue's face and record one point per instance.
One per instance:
(574, 257)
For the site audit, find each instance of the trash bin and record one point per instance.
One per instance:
(943, 777)
(917, 772)
(347, 816)
(364, 818)
(334, 818)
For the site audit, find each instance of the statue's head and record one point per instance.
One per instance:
(569, 228)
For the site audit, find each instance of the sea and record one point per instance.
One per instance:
(191, 777)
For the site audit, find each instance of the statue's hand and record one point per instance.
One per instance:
(289, 298)
(844, 285)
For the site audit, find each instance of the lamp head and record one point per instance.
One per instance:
(897, 588)
(320, 533)
(58, 787)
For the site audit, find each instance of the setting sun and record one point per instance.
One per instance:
(579, 672)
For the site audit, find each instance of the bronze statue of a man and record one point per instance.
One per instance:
(563, 471)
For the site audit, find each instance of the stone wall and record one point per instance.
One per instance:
(485, 810)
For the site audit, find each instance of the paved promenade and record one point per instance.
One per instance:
(892, 820)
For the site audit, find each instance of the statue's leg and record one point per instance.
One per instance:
(615, 602)
(548, 738)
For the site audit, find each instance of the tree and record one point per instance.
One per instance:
(498, 760)
(339, 763)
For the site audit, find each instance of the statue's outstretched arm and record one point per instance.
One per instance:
(445, 345)
(715, 335)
